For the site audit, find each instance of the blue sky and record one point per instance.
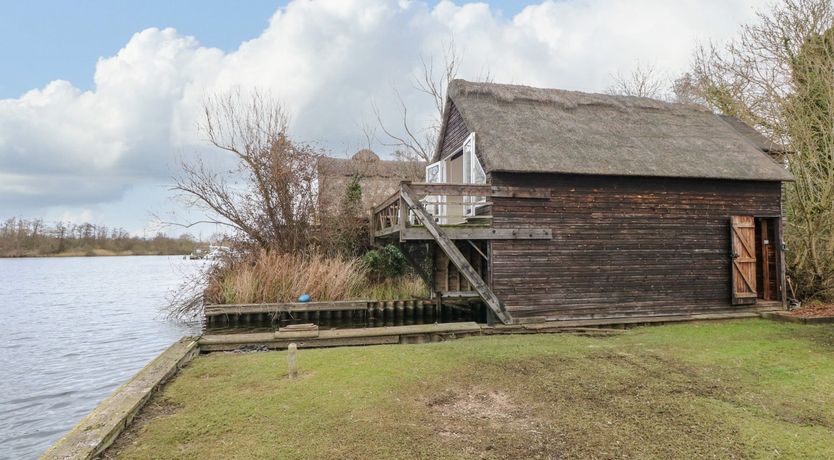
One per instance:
(60, 39)
(99, 100)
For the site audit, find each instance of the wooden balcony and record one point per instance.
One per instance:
(463, 211)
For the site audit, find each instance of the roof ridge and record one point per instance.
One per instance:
(565, 99)
(526, 129)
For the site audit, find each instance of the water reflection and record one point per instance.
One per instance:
(76, 329)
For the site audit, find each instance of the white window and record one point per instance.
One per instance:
(473, 173)
(435, 172)
(435, 204)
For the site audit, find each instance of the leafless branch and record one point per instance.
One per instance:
(778, 76)
(270, 195)
(410, 139)
(643, 81)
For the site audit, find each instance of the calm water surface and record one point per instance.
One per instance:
(75, 329)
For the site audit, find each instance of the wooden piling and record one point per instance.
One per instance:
(347, 313)
(410, 317)
(292, 361)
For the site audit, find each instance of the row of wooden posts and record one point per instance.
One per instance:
(376, 313)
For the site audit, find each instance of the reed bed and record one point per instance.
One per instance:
(280, 277)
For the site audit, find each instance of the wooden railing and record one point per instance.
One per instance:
(448, 204)
(407, 208)
(386, 218)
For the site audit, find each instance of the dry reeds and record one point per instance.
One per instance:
(279, 277)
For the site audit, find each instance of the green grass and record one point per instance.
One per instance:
(747, 389)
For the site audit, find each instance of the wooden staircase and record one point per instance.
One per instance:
(403, 217)
(457, 258)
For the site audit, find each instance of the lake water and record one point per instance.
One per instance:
(75, 329)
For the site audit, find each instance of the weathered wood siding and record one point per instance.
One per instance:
(455, 133)
(621, 246)
(448, 278)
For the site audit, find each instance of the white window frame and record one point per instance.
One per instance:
(435, 204)
(472, 169)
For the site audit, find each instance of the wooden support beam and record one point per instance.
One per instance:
(372, 225)
(464, 232)
(520, 192)
(421, 190)
(455, 256)
(294, 307)
(474, 246)
(459, 294)
(338, 337)
(390, 231)
(402, 218)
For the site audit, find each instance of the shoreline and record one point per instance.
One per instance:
(94, 253)
(484, 390)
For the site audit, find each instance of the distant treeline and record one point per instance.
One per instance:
(31, 238)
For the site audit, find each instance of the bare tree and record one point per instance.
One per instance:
(418, 143)
(643, 81)
(270, 195)
(778, 76)
(368, 134)
(752, 76)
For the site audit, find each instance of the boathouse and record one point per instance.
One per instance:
(553, 205)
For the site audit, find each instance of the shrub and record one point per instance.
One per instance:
(386, 263)
(344, 229)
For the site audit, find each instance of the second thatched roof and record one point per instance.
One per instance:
(525, 129)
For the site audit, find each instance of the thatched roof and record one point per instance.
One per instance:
(366, 163)
(377, 178)
(524, 129)
(762, 143)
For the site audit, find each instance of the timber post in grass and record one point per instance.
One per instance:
(292, 361)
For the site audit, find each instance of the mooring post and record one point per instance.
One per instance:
(292, 360)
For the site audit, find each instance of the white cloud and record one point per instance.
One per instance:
(326, 60)
(79, 217)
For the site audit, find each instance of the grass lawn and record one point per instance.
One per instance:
(744, 389)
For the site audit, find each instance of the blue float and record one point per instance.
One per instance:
(304, 298)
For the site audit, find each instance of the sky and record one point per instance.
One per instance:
(99, 100)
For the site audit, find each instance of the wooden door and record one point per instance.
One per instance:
(743, 240)
(767, 256)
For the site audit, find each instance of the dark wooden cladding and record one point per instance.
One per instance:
(448, 278)
(621, 246)
(456, 132)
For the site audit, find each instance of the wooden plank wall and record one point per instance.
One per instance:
(621, 246)
(455, 133)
